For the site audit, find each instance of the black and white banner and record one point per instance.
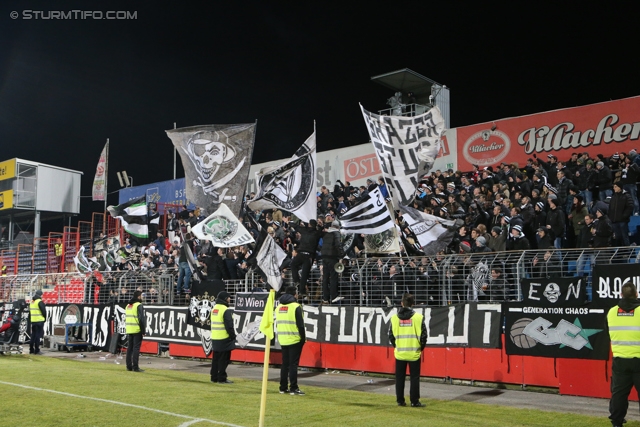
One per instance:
(465, 325)
(270, 257)
(560, 292)
(290, 186)
(216, 161)
(203, 298)
(368, 216)
(223, 229)
(608, 280)
(406, 148)
(432, 232)
(560, 332)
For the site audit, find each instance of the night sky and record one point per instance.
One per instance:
(67, 85)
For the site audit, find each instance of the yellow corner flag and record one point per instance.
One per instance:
(266, 324)
(266, 327)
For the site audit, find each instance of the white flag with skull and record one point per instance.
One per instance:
(406, 148)
(223, 229)
(216, 161)
(290, 186)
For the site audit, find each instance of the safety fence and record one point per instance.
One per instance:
(435, 280)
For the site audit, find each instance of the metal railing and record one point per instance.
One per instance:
(435, 281)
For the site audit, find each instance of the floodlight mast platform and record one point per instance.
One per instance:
(426, 93)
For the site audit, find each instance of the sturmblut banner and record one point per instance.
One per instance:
(608, 280)
(465, 325)
(553, 320)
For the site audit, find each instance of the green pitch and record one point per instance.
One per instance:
(41, 391)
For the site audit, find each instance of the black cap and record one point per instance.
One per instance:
(224, 295)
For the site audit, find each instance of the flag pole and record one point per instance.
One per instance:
(175, 150)
(106, 192)
(265, 370)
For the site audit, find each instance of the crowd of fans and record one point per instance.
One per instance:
(546, 204)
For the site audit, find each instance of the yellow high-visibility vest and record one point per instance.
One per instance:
(407, 333)
(132, 323)
(288, 333)
(218, 331)
(624, 330)
(58, 248)
(34, 311)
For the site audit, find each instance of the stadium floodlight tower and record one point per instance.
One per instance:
(414, 94)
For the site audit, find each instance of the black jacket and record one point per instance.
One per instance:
(555, 218)
(405, 313)
(332, 245)
(309, 238)
(604, 232)
(620, 207)
(226, 344)
(288, 299)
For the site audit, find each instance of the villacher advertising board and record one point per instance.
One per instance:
(603, 128)
(554, 321)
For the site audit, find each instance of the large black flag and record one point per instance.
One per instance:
(216, 161)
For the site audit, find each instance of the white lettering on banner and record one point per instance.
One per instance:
(330, 312)
(312, 333)
(171, 327)
(438, 339)
(343, 337)
(385, 318)
(533, 291)
(562, 136)
(162, 323)
(460, 339)
(574, 289)
(543, 310)
(487, 320)
(182, 320)
(604, 286)
(365, 324)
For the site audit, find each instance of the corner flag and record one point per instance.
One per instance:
(266, 324)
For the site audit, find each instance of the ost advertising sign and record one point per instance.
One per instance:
(604, 128)
(358, 163)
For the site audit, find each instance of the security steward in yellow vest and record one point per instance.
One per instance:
(223, 338)
(292, 336)
(136, 325)
(623, 322)
(408, 335)
(37, 317)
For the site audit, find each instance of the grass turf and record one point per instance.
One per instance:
(194, 397)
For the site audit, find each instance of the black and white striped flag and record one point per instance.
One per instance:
(369, 216)
(133, 216)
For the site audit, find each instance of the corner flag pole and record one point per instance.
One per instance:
(268, 336)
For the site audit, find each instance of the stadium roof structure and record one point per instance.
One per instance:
(406, 80)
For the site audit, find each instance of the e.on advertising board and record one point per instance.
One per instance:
(604, 128)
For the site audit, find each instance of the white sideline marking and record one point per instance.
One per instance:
(193, 420)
